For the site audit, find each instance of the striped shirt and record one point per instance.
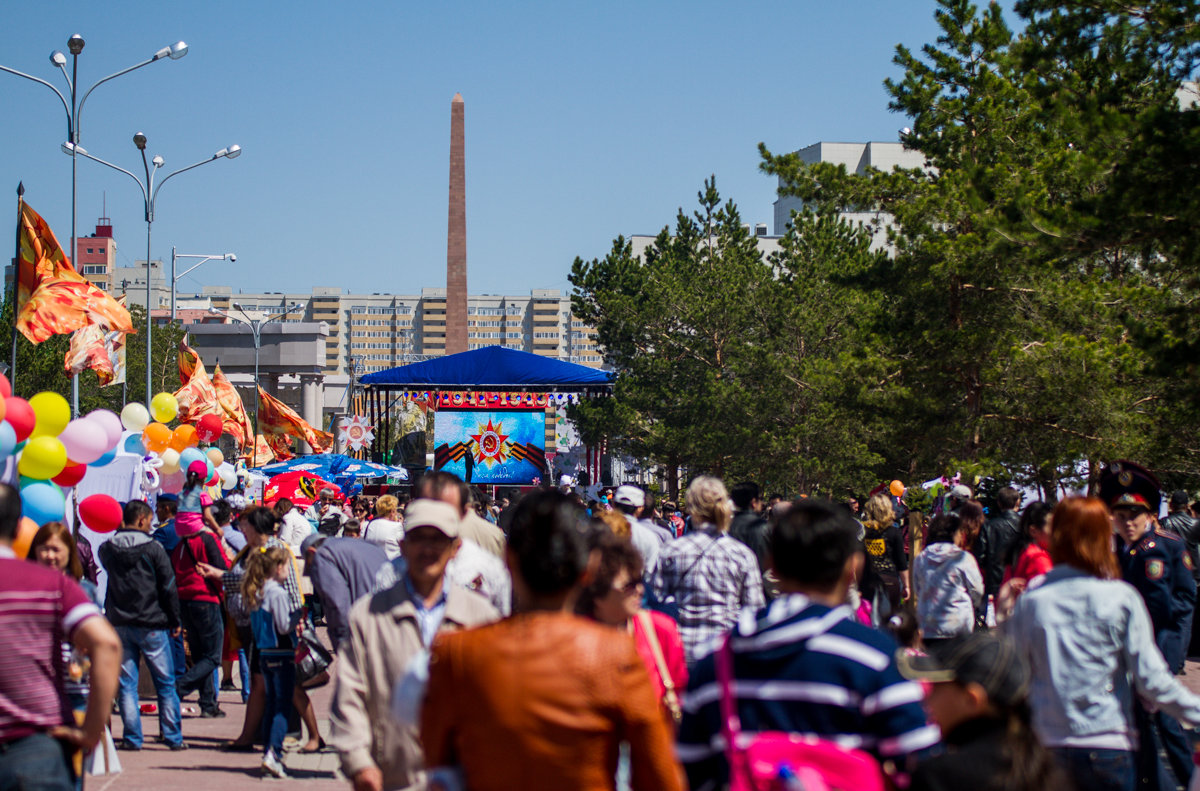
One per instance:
(801, 667)
(40, 608)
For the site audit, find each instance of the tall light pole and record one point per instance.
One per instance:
(74, 110)
(150, 196)
(204, 259)
(255, 326)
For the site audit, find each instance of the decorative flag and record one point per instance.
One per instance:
(278, 419)
(103, 352)
(235, 419)
(52, 298)
(263, 454)
(355, 432)
(188, 360)
(197, 397)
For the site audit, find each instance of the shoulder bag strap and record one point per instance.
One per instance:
(670, 697)
(679, 580)
(731, 726)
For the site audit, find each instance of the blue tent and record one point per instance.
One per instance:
(492, 366)
(335, 468)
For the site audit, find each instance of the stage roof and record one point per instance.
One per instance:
(493, 367)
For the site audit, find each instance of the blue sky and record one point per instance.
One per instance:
(583, 121)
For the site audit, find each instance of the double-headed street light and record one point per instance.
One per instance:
(74, 110)
(150, 196)
(255, 326)
(204, 259)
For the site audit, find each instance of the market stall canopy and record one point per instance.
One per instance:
(302, 488)
(493, 367)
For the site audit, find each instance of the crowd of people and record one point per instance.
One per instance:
(563, 641)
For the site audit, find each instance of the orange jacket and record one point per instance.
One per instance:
(543, 700)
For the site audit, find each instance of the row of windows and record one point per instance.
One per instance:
(381, 310)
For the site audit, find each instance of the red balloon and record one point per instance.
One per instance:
(5, 387)
(209, 428)
(216, 477)
(101, 513)
(19, 415)
(71, 474)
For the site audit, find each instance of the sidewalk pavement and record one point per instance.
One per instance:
(204, 766)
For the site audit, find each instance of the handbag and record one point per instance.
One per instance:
(670, 696)
(778, 761)
(312, 661)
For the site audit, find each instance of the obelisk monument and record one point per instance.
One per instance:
(456, 235)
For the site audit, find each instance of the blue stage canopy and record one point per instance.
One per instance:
(492, 367)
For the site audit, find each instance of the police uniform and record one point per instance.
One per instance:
(1157, 565)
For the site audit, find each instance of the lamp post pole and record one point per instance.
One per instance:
(255, 326)
(150, 196)
(74, 110)
(203, 260)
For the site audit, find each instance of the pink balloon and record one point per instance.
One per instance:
(172, 482)
(85, 440)
(110, 422)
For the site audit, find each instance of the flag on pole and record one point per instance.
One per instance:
(188, 360)
(276, 418)
(52, 298)
(197, 397)
(102, 351)
(236, 421)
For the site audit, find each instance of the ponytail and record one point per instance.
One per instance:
(193, 480)
(260, 567)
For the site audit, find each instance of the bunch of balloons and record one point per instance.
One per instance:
(169, 453)
(53, 451)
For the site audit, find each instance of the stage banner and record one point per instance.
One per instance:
(484, 446)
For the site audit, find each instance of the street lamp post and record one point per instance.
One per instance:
(255, 326)
(203, 260)
(150, 196)
(74, 110)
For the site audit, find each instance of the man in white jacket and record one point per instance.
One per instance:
(294, 528)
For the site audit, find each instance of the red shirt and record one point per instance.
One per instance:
(672, 650)
(40, 608)
(1033, 562)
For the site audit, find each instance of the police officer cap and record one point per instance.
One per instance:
(1124, 484)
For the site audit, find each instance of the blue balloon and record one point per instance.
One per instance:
(190, 455)
(43, 502)
(8, 440)
(133, 444)
(105, 459)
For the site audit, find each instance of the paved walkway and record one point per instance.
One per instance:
(204, 766)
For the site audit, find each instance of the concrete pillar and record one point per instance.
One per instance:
(312, 399)
(270, 384)
(456, 234)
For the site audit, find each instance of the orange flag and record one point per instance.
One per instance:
(197, 397)
(279, 419)
(92, 347)
(263, 454)
(52, 298)
(188, 360)
(236, 421)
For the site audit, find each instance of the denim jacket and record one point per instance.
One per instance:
(1090, 647)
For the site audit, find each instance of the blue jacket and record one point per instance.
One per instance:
(1090, 647)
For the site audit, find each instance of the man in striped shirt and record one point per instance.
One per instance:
(803, 665)
(40, 609)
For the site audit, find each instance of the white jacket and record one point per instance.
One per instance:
(949, 589)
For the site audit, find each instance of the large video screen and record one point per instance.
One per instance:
(487, 446)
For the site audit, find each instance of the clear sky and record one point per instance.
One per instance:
(583, 121)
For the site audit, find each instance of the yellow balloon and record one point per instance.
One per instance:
(164, 407)
(53, 413)
(42, 458)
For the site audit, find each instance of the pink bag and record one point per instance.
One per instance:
(776, 761)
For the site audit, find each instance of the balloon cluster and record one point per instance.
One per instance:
(168, 454)
(53, 453)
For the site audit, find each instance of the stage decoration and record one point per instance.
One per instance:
(491, 446)
(355, 432)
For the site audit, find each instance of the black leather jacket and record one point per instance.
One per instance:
(995, 539)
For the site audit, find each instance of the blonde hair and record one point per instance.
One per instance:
(260, 567)
(618, 524)
(386, 505)
(708, 501)
(879, 510)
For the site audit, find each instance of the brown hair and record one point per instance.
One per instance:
(57, 530)
(614, 522)
(879, 510)
(972, 522)
(1082, 537)
(615, 554)
(260, 567)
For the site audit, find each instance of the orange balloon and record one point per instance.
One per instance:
(183, 437)
(26, 530)
(156, 437)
